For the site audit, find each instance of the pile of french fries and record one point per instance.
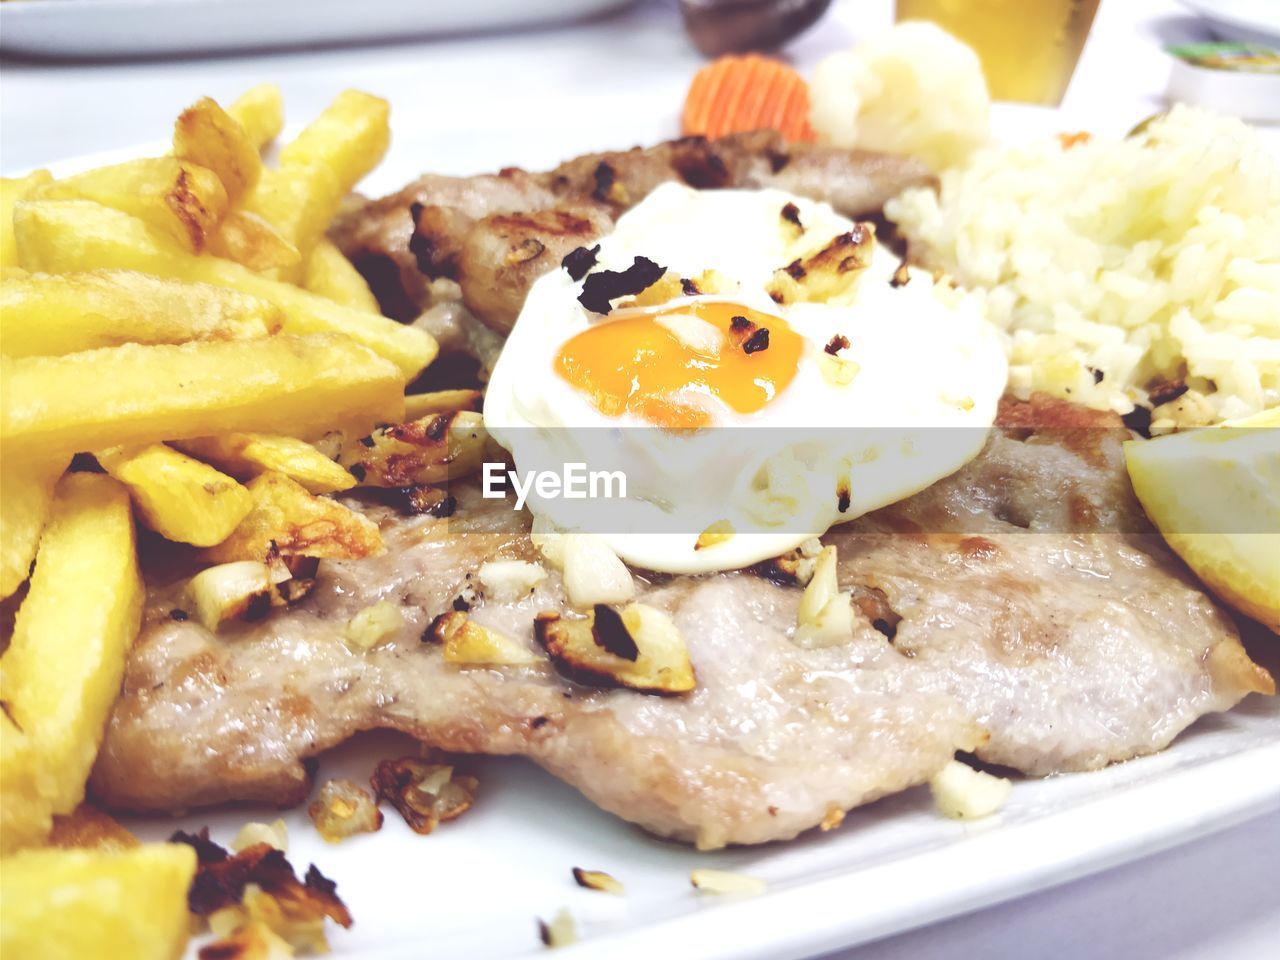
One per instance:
(182, 328)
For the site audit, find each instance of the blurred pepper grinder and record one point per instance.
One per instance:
(734, 26)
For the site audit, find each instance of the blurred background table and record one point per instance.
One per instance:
(1215, 899)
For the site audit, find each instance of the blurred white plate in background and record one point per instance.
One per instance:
(129, 28)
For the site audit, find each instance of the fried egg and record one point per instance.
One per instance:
(758, 368)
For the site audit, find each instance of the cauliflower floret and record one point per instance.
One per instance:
(912, 89)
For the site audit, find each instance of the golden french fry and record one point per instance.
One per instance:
(246, 455)
(178, 497)
(206, 134)
(418, 405)
(436, 448)
(288, 521)
(109, 904)
(88, 828)
(25, 811)
(26, 494)
(65, 236)
(50, 314)
(260, 110)
(330, 274)
(350, 136)
(183, 200)
(62, 670)
(13, 189)
(248, 239)
(321, 166)
(138, 394)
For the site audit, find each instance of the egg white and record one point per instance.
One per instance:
(930, 372)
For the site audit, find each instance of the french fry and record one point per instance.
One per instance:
(27, 488)
(62, 670)
(433, 449)
(136, 394)
(13, 189)
(25, 812)
(245, 455)
(179, 498)
(112, 905)
(65, 236)
(50, 315)
(321, 166)
(248, 239)
(288, 521)
(88, 828)
(183, 200)
(350, 137)
(207, 135)
(418, 405)
(260, 110)
(330, 274)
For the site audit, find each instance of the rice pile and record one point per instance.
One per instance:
(1121, 269)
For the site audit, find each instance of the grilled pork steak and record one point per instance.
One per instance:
(462, 228)
(1040, 648)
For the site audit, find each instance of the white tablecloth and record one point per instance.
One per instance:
(1216, 899)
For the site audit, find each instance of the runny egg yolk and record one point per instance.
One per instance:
(640, 366)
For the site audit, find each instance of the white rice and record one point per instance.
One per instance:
(1126, 263)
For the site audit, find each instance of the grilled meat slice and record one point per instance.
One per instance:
(420, 233)
(377, 235)
(986, 626)
(504, 253)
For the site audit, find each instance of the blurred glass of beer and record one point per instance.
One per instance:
(1028, 48)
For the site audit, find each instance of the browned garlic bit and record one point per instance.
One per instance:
(641, 649)
(831, 819)
(508, 580)
(275, 835)
(694, 333)
(342, 809)
(426, 794)
(240, 589)
(792, 227)
(837, 371)
(794, 567)
(258, 885)
(826, 614)
(828, 273)
(724, 881)
(593, 573)
(963, 793)
(667, 288)
(252, 940)
(671, 286)
(561, 931)
(719, 532)
(424, 451)
(465, 642)
(375, 624)
(598, 880)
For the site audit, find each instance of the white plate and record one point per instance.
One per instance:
(127, 28)
(1245, 21)
(476, 886)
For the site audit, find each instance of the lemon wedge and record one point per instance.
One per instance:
(1215, 495)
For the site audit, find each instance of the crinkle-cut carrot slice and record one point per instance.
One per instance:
(735, 94)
